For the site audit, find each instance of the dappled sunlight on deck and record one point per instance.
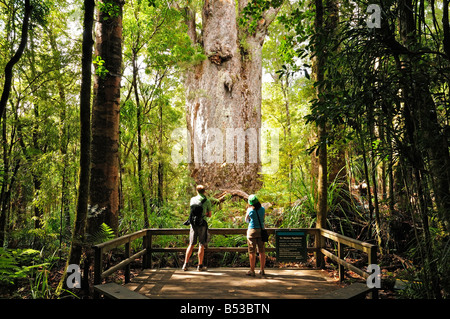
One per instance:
(232, 283)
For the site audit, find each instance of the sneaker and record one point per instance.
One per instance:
(251, 273)
(185, 267)
(201, 268)
(262, 273)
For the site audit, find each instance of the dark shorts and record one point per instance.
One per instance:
(198, 233)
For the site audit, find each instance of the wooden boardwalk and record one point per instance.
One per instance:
(232, 283)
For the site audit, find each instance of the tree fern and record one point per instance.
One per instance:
(104, 234)
(8, 267)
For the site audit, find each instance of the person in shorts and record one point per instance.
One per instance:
(254, 239)
(198, 233)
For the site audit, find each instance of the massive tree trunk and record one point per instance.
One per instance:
(223, 104)
(104, 183)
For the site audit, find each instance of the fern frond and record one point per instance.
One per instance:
(105, 233)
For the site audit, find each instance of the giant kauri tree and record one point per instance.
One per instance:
(223, 96)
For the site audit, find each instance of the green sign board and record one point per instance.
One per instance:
(291, 246)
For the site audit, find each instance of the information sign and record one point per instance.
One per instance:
(291, 246)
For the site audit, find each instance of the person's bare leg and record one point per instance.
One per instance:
(189, 251)
(252, 257)
(262, 261)
(201, 254)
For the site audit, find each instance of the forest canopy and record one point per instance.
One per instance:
(337, 113)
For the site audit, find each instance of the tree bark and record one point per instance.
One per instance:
(285, 87)
(446, 28)
(85, 136)
(9, 66)
(223, 98)
(7, 183)
(78, 235)
(139, 137)
(104, 182)
(318, 64)
(160, 192)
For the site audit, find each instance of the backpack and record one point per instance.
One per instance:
(196, 214)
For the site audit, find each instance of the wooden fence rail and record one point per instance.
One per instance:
(148, 235)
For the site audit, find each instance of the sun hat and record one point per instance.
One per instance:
(252, 199)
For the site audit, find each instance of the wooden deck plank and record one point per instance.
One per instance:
(115, 291)
(353, 291)
(232, 283)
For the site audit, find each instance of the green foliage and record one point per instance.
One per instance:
(108, 7)
(9, 269)
(40, 12)
(103, 234)
(252, 13)
(24, 263)
(100, 69)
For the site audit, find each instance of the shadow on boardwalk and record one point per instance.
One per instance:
(232, 283)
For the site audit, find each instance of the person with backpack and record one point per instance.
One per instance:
(255, 219)
(200, 207)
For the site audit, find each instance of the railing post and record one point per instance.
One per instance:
(98, 265)
(147, 259)
(373, 260)
(340, 256)
(127, 268)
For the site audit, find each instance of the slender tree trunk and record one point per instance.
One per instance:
(85, 135)
(318, 65)
(390, 168)
(446, 27)
(64, 138)
(7, 182)
(35, 143)
(104, 183)
(160, 160)
(223, 98)
(78, 235)
(9, 66)
(373, 169)
(139, 137)
(285, 90)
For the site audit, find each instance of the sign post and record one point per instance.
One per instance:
(291, 246)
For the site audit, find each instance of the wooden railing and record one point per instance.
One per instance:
(148, 235)
(101, 249)
(219, 231)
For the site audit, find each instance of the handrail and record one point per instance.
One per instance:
(218, 231)
(147, 235)
(360, 245)
(342, 240)
(102, 248)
